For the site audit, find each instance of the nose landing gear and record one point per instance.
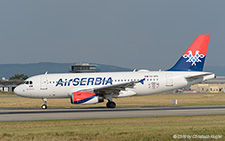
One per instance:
(44, 106)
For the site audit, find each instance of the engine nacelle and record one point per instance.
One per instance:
(86, 98)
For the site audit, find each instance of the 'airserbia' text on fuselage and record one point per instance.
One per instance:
(84, 81)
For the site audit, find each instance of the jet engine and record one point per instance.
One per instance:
(86, 98)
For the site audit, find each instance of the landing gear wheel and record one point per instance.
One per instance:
(44, 106)
(111, 104)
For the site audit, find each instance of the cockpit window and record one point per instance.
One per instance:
(28, 82)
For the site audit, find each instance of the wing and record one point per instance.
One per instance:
(112, 89)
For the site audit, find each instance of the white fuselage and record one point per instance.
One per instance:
(62, 85)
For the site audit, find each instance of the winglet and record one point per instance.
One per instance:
(194, 57)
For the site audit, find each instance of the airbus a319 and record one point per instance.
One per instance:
(92, 88)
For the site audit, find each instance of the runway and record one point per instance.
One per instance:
(29, 114)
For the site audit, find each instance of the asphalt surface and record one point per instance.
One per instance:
(29, 114)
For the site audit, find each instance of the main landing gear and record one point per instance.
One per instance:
(110, 103)
(44, 106)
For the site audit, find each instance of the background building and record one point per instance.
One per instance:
(9, 86)
(83, 68)
(216, 85)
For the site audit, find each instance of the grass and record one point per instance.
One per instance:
(6, 94)
(152, 128)
(150, 100)
(149, 128)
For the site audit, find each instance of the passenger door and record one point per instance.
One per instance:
(43, 85)
(169, 80)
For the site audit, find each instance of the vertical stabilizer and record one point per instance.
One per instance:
(194, 57)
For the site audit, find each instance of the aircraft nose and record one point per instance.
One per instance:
(18, 90)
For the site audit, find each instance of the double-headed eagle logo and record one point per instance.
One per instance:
(193, 59)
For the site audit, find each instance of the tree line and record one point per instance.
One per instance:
(18, 77)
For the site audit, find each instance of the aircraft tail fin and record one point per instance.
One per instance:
(194, 57)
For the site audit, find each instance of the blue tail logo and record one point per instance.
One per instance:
(193, 59)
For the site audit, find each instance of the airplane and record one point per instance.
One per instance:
(92, 88)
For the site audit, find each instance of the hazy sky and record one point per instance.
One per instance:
(127, 33)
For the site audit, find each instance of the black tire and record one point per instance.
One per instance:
(44, 106)
(111, 104)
